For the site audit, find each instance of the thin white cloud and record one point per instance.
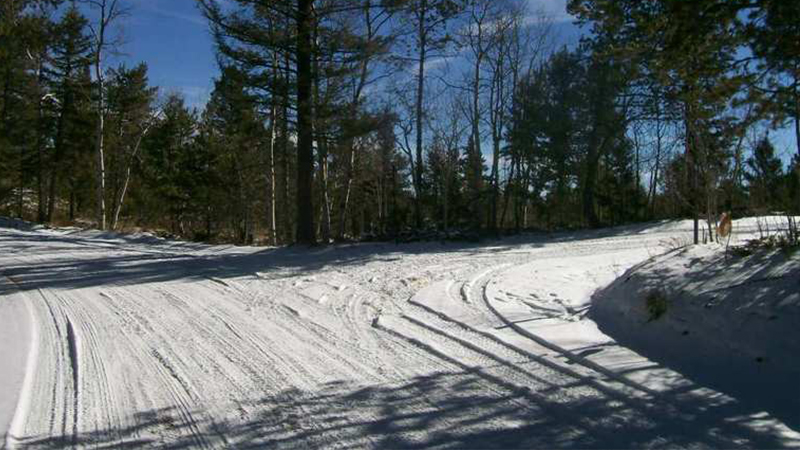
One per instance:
(152, 6)
(554, 11)
(195, 96)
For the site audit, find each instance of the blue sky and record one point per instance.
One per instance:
(172, 37)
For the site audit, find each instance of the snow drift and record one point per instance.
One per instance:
(731, 323)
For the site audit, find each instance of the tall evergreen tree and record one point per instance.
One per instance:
(765, 176)
(773, 30)
(130, 116)
(561, 131)
(71, 83)
(25, 33)
(474, 191)
(234, 133)
(170, 166)
(607, 125)
(690, 47)
(254, 37)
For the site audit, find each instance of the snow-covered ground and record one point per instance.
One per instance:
(142, 342)
(731, 323)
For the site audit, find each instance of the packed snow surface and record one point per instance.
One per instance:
(141, 342)
(729, 321)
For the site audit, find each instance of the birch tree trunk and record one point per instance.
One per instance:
(271, 213)
(128, 165)
(99, 144)
(109, 12)
(271, 195)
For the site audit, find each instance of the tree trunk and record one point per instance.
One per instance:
(589, 213)
(656, 167)
(119, 201)
(287, 217)
(596, 151)
(40, 207)
(348, 186)
(39, 142)
(525, 187)
(305, 130)
(71, 200)
(476, 133)
(495, 181)
(509, 191)
(422, 36)
(797, 118)
(271, 194)
(446, 205)
(58, 152)
(325, 225)
(797, 132)
(691, 172)
(20, 193)
(99, 143)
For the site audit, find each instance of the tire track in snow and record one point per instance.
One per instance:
(153, 352)
(637, 396)
(301, 372)
(248, 341)
(517, 394)
(72, 345)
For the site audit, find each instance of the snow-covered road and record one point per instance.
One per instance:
(138, 342)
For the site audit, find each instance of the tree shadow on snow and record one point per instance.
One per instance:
(78, 260)
(443, 410)
(762, 298)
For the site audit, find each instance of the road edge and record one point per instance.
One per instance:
(15, 305)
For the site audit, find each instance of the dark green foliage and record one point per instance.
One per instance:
(170, 165)
(647, 118)
(70, 85)
(765, 176)
(773, 31)
(25, 33)
(708, 58)
(130, 101)
(569, 127)
(475, 194)
(232, 142)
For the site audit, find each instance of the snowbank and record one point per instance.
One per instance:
(733, 323)
(17, 355)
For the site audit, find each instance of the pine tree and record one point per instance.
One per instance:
(309, 37)
(765, 176)
(561, 130)
(69, 76)
(474, 191)
(773, 30)
(690, 47)
(169, 166)
(25, 30)
(234, 132)
(130, 104)
(606, 124)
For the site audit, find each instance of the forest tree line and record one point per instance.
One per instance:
(352, 119)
